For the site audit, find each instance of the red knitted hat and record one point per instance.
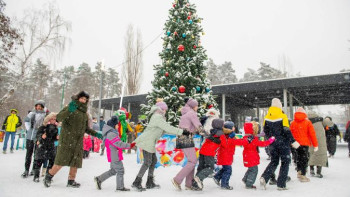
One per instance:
(248, 128)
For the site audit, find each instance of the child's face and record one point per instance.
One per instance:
(52, 121)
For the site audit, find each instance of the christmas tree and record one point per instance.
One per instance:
(182, 72)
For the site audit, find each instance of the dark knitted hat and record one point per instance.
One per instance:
(217, 124)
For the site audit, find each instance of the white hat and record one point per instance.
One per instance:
(276, 103)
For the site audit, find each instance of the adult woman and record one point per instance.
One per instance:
(189, 121)
(156, 127)
(70, 149)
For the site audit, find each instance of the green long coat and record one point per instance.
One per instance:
(156, 127)
(74, 125)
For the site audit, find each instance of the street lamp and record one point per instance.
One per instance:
(100, 100)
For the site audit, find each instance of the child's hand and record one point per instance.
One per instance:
(37, 143)
(43, 136)
(272, 139)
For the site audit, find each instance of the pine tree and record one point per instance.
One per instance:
(227, 73)
(182, 72)
(212, 72)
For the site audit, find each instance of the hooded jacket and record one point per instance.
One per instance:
(12, 122)
(32, 123)
(209, 148)
(46, 147)
(251, 156)
(87, 143)
(110, 133)
(303, 131)
(156, 127)
(190, 122)
(228, 147)
(276, 124)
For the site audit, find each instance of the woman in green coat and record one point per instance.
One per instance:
(155, 129)
(74, 120)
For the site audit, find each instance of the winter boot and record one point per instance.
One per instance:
(227, 187)
(195, 186)
(250, 187)
(123, 190)
(137, 184)
(176, 185)
(312, 172)
(11, 150)
(72, 183)
(198, 181)
(48, 179)
(36, 176)
(262, 183)
(282, 188)
(43, 171)
(31, 173)
(217, 181)
(98, 183)
(150, 183)
(299, 174)
(304, 179)
(273, 181)
(4, 151)
(25, 174)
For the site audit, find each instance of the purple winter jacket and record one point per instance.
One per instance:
(190, 122)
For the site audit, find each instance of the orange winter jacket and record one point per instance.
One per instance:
(303, 131)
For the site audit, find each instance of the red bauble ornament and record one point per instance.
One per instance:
(182, 89)
(174, 5)
(210, 106)
(167, 74)
(194, 46)
(181, 47)
(189, 17)
(175, 33)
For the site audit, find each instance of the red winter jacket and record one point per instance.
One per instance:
(227, 149)
(251, 156)
(209, 148)
(87, 143)
(303, 131)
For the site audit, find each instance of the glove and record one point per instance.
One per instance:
(132, 145)
(99, 135)
(295, 145)
(186, 133)
(250, 138)
(232, 135)
(72, 106)
(271, 139)
(316, 149)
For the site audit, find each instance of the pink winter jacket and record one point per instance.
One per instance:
(87, 143)
(189, 119)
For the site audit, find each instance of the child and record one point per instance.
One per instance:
(251, 158)
(114, 148)
(46, 137)
(87, 145)
(207, 154)
(225, 155)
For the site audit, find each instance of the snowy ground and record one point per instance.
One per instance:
(335, 181)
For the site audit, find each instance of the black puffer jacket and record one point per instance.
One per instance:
(46, 147)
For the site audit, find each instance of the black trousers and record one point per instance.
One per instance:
(30, 146)
(38, 163)
(86, 154)
(302, 159)
(205, 166)
(149, 163)
(331, 144)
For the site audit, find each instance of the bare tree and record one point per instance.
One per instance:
(44, 32)
(133, 64)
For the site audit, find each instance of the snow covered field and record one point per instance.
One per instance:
(335, 182)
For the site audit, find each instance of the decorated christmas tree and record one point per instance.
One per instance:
(182, 72)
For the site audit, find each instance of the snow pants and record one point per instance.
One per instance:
(116, 168)
(302, 159)
(224, 175)
(205, 167)
(39, 162)
(331, 144)
(149, 163)
(250, 176)
(278, 152)
(188, 170)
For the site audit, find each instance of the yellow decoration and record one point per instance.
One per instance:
(199, 21)
(192, 36)
(203, 33)
(165, 160)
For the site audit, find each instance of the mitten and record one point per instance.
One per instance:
(132, 145)
(271, 140)
(72, 106)
(295, 145)
(232, 135)
(99, 135)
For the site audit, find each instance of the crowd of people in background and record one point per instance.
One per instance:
(54, 140)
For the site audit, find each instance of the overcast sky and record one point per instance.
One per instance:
(312, 34)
